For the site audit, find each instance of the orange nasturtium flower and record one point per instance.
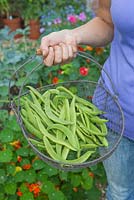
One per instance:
(35, 188)
(26, 166)
(89, 48)
(19, 158)
(75, 189)
(99, 50)
(91, 174)
(16, 144)
(55, 80)
(19, 193)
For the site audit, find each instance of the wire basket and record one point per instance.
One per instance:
(102, 98)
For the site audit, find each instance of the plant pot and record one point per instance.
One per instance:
(13, 24)
(34, 29)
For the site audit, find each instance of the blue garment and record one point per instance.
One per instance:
(120, 63)
(119, 169)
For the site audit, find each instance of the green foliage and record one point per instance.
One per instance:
(22, 174)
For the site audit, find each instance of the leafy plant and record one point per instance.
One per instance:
(22, 174)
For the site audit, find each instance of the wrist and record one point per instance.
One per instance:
(76, 35)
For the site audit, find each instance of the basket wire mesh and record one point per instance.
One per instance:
(102, 98)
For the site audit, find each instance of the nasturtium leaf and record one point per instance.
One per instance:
(56, 195)
(2, 176)
(38, 164)
(10, 188)
(30, 176)
(24, 161)
(48, 187)
(87, 183)
(12, 124)
(63, 175)
(3, 115)
(19, 176)
(23, 152)
(50, 171)
(6, 155)
(6, 135)
(93, 193)
(4, 90)
(27, 196)
(10, 169)
(75, 180)
(42, 176)
(23, 188)
(85, 173)
(12, 197)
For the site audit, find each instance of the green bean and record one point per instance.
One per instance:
(67, 111)
(88, 146)
(50, 149)
(42, 114)
(35, 91)
(51, 115)
(102, 141)
(86, 109)
(61, 88)
(99, 120)
(32, 129)
(34, 98)
(66, 131)
(81, 136)
(93, 130)
(73, 119)
(50, 91)
(54, 107)
(103, 128)
(51, 137)
(36, 143)
(30, 115)
(65, 152)
(88, 104)
(59, 134)
(81, 159)
(87, 120)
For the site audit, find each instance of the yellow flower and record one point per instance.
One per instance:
(17, 169)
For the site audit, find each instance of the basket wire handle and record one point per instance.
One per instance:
(38, 53)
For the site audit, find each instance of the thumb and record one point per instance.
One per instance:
(44, 46)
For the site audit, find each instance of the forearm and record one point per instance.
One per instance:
(95, 33)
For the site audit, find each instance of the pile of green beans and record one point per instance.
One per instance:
(63, 125)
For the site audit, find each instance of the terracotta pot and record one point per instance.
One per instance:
(34, 29)
(13, 24)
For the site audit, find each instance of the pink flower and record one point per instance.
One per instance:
(57, 21)
(72, 18)
(83, 71)
(82, 16)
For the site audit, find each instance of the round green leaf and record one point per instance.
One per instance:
(30, 176)
(10, 169)
(2, 176)
(10, 188)
(38, 164)
(27, 196)
(6, 135)
(23, 152)
(6, 155)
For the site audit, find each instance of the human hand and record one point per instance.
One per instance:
(58, 47)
